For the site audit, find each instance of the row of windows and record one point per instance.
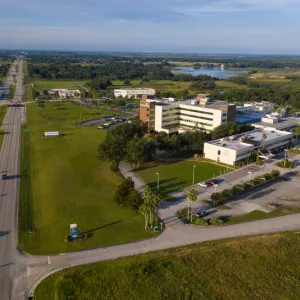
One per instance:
(186, 109)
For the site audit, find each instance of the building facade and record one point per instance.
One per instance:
(130, 93)
(170, 116)
(242, 147)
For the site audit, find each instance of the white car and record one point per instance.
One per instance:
(203, 184)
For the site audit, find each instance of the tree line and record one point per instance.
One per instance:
(4, 69)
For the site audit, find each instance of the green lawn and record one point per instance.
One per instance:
(41, 85)
(260, 215)
(177, 175)
(257, 267)
(68, 184)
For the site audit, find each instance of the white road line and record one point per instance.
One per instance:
(49, 261)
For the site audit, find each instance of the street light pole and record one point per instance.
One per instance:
(215, 185)
(285, 156)
(194, 174)
(249, 173)
(157, 181)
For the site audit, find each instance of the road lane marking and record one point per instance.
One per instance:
(49, 261)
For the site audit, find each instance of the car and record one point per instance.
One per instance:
(100, 127)
(210, 182)
(203, 184)
(274, 205)
(4, 177)
(201, 214)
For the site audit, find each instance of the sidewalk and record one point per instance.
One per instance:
(126, 171)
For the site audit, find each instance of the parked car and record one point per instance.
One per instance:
(274, 205)
(4, 177)
(210, 182)
(100, 127)
(201, 214)
(203, 184)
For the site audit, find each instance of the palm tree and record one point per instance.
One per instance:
(192, 196)
(144, 211)
(147, 193)
(156, 200)
(264, 137)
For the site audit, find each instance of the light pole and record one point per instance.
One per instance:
(215, 185)
(194, 174)
(249, 173)
(285, 156)
(157, 181)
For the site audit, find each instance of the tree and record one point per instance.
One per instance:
(192, 196)
(264, 138)
(138, 149)
(127, 82)
(297, 131)
(144, 211)
(156, 201)
(123, 191)
(147, 193)
(224, 130)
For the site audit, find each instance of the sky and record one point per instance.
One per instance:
(192, 26)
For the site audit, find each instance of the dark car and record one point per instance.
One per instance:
(4, 177)
(201, 214)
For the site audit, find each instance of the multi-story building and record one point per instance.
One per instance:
(129, 93)
(172, 116)
(234, 149)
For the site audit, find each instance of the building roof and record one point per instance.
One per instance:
(213, 104)
(286, 123)
(249, 139)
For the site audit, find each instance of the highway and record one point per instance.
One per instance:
(20, 273)
(9, 189)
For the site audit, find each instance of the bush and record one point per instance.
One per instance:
(216, 221)
(247, 186)
(201, 222)
(196, 156)
(285, 164)
(275, 173)
(268, 176)
(258, 180)
(227, 195)
(218, 197)
(237, 190)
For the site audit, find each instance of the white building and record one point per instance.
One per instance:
(63, 93)
(178, 116)
(234, 149)
(265, 107)
(129, 93)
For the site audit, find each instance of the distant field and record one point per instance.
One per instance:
(41, 85)
(177, 175)
(68, 184)
(223, 84)
(256, 267)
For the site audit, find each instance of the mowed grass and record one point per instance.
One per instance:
(177, 175)
(258, 267)
(41, 85)
(158, 85)
(260, 215)
(68, 184)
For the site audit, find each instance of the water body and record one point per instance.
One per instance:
(213, 72)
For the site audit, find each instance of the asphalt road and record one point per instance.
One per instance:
(9, 190)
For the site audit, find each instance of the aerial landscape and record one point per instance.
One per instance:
(149, 150)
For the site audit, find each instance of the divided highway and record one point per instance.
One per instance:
(9, 189)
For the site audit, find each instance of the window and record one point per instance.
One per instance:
(219, 152)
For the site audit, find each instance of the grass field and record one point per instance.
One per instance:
(2, 115)
(68, 184)
(41, 85)
(177, 175)
(257, 267)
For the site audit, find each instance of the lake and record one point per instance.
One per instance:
(213, 72)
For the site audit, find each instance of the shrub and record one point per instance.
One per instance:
(237, 190)
(275, 173)
(216, 221)
(227, 195)
(196, 156)
(268, 176)
(247, 186)
(201, 222)
(218, 197)
(258, 180)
